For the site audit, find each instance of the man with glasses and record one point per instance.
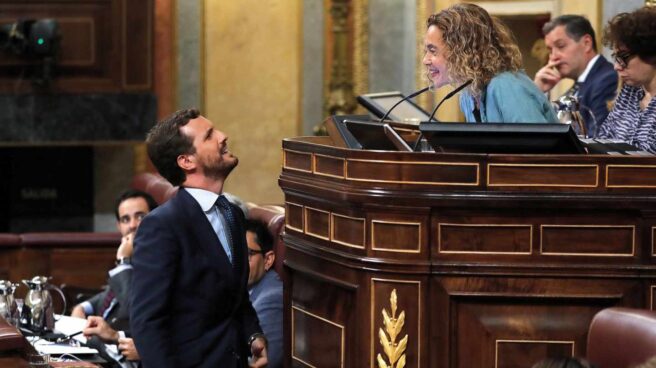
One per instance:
(265, 288)
(572, 47)
(107, 312)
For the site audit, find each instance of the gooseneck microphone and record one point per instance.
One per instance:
(415, 94)
(448, 96)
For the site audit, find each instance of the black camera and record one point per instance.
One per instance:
(36, 38)
(33, 40)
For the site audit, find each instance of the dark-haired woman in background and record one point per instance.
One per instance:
(632, 36)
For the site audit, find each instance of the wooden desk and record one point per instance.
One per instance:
(493, 260)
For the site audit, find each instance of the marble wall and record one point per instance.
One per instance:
(33, 118)
(189, 57)
(313, 64)
(392, 46)
(252, 87)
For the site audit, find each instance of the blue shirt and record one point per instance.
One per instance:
(628, 123)
(207, 200)
(510, 97)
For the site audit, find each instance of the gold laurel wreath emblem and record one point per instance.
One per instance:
(394, 351)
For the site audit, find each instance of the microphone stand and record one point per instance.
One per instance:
(448, 96)
(415, 94)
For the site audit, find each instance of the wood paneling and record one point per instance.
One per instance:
(106, 45)
(543, 175)
(593, 240)
(486, 275)
(81, 261)
(320, 320)
(396, 236)
(294, 216)
(317, 223)
(329, 166)
(405, 172)
(631, 176)
(348, 231)
(300, 161)
(485, 238)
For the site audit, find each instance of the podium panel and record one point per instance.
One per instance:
(459, 260)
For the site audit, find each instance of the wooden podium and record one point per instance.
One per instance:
(459, 260)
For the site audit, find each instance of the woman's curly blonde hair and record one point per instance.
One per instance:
(479, 46)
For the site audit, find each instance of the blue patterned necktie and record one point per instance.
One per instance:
(574, 90)
(228, 213)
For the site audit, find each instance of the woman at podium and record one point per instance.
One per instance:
(465, 45)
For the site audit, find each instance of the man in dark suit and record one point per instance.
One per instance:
(265, 288)
(190, 305)
(107, 312)
(572, 47)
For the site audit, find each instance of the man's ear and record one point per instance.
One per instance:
(187, 162)
(269, 258)
(587, 42)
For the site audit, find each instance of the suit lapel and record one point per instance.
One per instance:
(202, 230)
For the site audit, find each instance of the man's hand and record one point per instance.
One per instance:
(547, 77)
(259, 353)
(127, 349)
(126, 247)
(97, 326)
(78, 312)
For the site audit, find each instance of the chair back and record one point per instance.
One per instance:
(621, 337)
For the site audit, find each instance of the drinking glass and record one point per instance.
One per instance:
(38, 360)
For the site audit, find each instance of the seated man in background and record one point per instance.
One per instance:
(265, 288)
(572, 47)
(107, 312)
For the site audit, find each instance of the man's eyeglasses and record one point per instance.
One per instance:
(252, 252)
(622, 58)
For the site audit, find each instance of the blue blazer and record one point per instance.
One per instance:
(509, 97)
(189, 305)
(599, 88)
(266, 297)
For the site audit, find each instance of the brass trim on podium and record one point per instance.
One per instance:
(439, 238)
(633, 245)
(341, 327)
(611, 166)
(286, 166)
(372, 302)
(306, 222)
(351, 245)
(373, 236)
(497, 341)
(429, 163)
(287, 225)
(519, 184)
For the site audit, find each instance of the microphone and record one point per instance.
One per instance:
(448, 96)
(415, 94)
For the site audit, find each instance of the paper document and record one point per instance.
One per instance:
(68, 325)
(47, 347)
